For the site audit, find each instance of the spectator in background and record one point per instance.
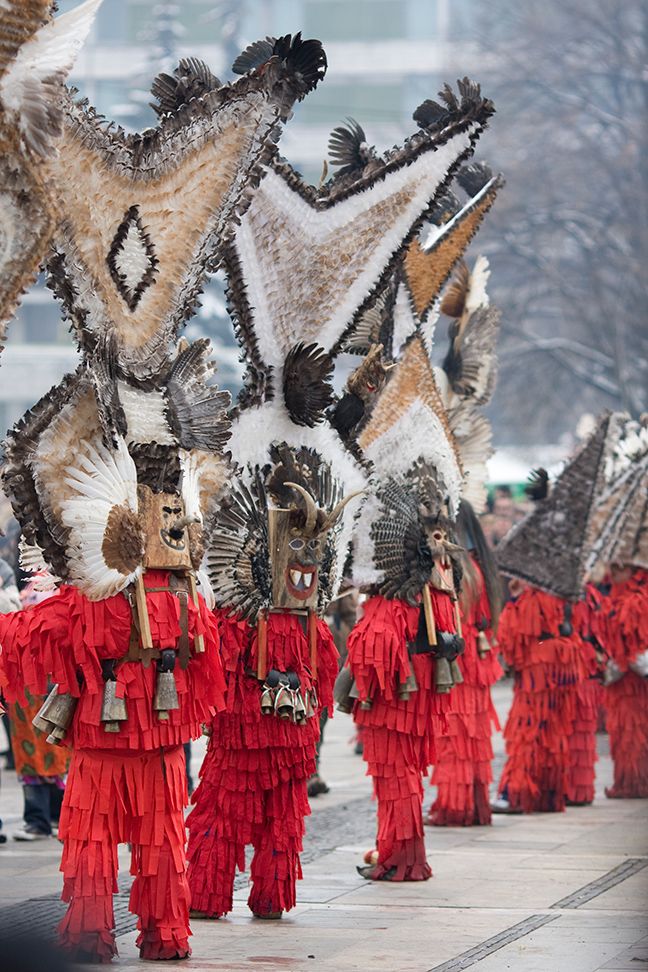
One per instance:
(41, 767)
(9, 602)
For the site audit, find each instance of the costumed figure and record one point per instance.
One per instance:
(112, 474)
(402, 652)
(462, 768)
(301, 266)
(412, 301)
(462, 771)
(623, 619)
(540, 639)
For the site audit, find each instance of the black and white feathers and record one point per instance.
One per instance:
(305, 59)
(307, 387)
(191, 79)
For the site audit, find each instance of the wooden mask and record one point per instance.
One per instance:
(295, 557)
(165, 528)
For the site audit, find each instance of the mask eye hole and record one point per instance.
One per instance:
(296, 544)
(313, 544)
(438, 536)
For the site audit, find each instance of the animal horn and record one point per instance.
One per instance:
(336, 511)
(311, 506)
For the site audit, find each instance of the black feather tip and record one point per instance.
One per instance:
(348, 148)
(537, 487)
(305, 59)
(191, 79)
(472, 178)
(434, 115)
(307, 385)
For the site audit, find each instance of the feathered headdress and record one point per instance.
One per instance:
(76, 464)
(300, 266)
(146, 214)
(410, 298)
(620, 516)
(36, 55)
(467, 378)
(304, 263)
(551, 546)
(416, 479)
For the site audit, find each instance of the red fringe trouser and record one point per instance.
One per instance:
(535, 775)
(247, 805)
(397, 761)
(113, 798)
(582, 743)
(626, 704)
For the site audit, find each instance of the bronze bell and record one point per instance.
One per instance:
(55, 715)
(457, 677)
(342, 690)
(113, 709)
(443, 676)
(311, 704)
(284, 702)
(166, 694)
(300, 708)
(267, 700)
(406, 688)
(483, 644)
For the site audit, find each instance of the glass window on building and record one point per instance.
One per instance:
(190, 21)
(355, 20)
(362, 100)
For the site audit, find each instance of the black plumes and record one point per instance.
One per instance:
(537, 487)
(307, 387)
(472, 178)
(191, 79)
(254, 55)
(197, 412)
(348, 148)
(305, 59)
(434, 114)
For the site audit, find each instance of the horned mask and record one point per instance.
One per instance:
(297, 543)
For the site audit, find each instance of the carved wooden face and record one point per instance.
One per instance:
(295, 558)
(167, 537)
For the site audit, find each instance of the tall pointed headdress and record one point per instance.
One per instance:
(550, 547)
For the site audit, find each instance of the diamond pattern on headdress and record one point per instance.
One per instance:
(131, 259)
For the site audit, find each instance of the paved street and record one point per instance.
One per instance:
(548, 893)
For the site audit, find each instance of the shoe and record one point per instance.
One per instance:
(501, 805)
(28, 833)
(3, 838)
(316, 785)
(269, 915)
(193, 913)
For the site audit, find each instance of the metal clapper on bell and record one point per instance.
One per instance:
(55, 715)
(166, 694)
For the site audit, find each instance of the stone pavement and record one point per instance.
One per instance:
(546, 893)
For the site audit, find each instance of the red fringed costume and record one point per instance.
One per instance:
(253, 779)
(624, 626)
(128, 785)
(550, 669)
(399, 735)
(462, 770)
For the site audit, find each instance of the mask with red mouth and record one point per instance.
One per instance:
(297, 545)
